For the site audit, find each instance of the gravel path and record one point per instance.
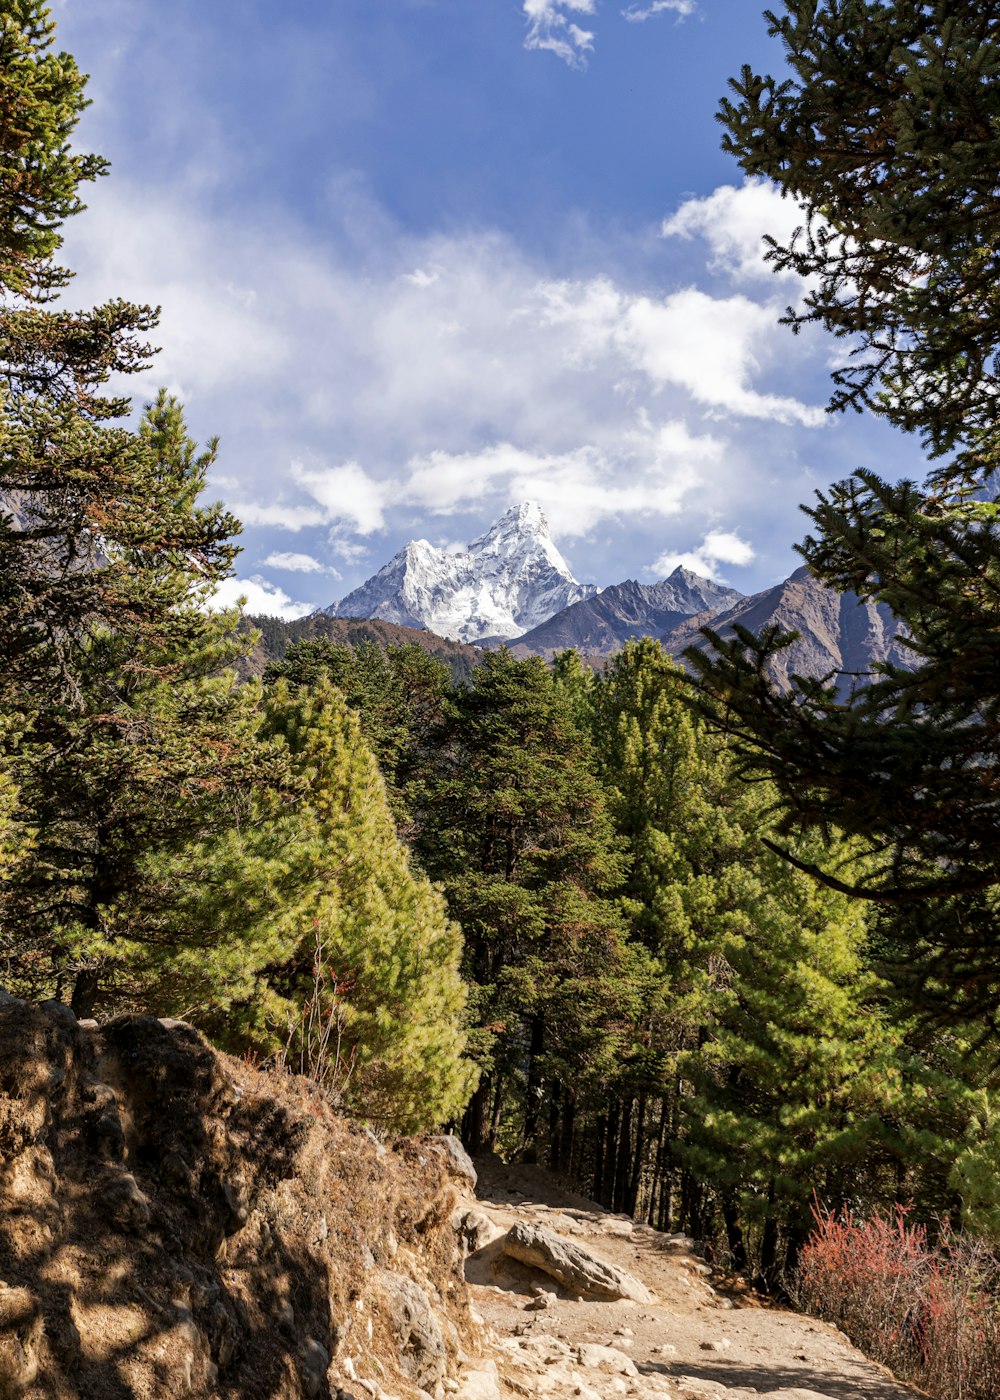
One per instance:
(692, 1342)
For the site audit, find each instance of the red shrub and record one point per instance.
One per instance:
(930, 1312)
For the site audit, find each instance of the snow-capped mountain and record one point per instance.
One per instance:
(506, 582)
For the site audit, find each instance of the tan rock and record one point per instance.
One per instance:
(578, 1270)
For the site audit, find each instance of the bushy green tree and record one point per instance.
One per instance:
(114, 735)
(512, 822)
(128, 739)
(313, 882)
(397, 693)
(797, 1075)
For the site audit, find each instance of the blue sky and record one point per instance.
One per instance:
(420, 259)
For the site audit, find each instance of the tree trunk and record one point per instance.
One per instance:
(474, 1121)
(623, 1158)
(533, 1088)
(734, 1234)
(501, 1084)
(769, 1247)
(555, 1139)
(638, 1152)
(607, 1196)
(600, 1138)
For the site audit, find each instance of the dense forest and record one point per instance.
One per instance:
(719, 954)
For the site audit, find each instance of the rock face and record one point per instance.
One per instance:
(603, 624)
(174, 1223)
(576, 1269)
(838, 632)
(506, 582)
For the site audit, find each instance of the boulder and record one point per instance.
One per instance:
(458, 1161)
(416, 1330)
(607, 1359)
(576, 1269)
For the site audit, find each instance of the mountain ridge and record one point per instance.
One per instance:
(624, 611)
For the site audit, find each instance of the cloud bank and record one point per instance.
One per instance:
(367, 384)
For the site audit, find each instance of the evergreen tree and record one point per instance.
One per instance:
(397, 693)
(115, 738)
(886, 132)
(313, 883)
(760, 1050)
(128, 739)
(510, 819)
(796, 1074)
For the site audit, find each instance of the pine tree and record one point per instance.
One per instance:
(397, 693)
(116, 737)
(887, 134)
(311, 895)
(129, 738)
(797, 1070)
(510, 819)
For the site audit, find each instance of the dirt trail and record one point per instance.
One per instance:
(692, 1342)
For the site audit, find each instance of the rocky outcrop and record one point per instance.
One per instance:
(575, 1269)
(837, 632)
(175, 1223)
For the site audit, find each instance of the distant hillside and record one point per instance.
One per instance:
(837, 631)
(277, 636)
(603, 624)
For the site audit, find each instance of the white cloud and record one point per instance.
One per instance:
(420, 277)
(652, 473)
(276, 514)
(261, 597)
(635, 14)
(354, 398)
(709, 346)
(296, 563)
(718, 547)
(550, 27)
(347, 495)
(733, 221)
(348, 551)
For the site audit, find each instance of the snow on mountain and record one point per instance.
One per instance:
(506, 582)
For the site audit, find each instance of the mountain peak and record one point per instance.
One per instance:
(508, 580)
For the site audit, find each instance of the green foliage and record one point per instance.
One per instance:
(512, 822)
(397, 693)
(887, 132)
(41, 99)
(317, 863)
(128, 739)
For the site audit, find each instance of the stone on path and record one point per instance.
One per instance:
(576, 1269)
(483, 1384)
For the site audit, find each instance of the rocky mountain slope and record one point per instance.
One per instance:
(506, 582)
(838, 632)
(602, 624)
